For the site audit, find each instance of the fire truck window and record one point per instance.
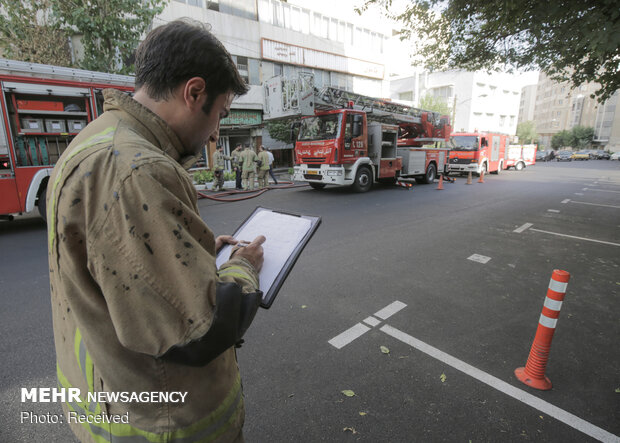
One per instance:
(484, 142)
(348, 131)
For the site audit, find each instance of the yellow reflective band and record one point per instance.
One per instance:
(241, 273)
(106, 135)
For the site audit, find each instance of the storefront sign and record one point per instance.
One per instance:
(242, 117)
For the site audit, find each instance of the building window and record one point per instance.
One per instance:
(277, 69)
(406, 96)
(502, 120)
(213, 5)
(512, 120)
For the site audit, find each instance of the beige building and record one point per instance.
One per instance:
(558, 108)
(607, 125)
(527, 104)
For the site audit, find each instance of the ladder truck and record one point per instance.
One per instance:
(348, 139)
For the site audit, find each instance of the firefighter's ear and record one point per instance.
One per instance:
(194, 92)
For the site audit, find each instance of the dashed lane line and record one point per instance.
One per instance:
(527, 226)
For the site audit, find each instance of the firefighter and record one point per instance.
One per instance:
(263, 167)
(237, 163)
(134, 284)
(219, 163)
(249, 160)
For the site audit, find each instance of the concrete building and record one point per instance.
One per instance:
(559, 107)
(270, 37)
(479, 101)
(527, 104)
(607, 124)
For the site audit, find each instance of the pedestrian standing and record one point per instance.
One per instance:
(138, 304)
(219, 163)
(249, 159)
(263, 168)
(237, 164)
(271, 160)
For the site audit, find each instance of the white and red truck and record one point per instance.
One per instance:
(42, 107)
(348, 139)
(520, 156)
(478, 153)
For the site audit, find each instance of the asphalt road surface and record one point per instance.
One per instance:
(418, 303)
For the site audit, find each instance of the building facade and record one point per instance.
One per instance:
(268, 38)
(479, 101)
(527, 104)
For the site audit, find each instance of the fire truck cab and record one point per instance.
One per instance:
(477, 152)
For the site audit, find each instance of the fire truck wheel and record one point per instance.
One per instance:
(431, 173)
(42, 205)
(519, 166)
(363, 180)
(317, 185)
(484, 168)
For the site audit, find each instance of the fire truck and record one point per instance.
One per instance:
(478, 152)
(42, 109)
(520, 156)
(348, 139)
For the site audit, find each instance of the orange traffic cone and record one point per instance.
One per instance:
(440, 185)
(481, 179)
(533, 374)
(468, 178)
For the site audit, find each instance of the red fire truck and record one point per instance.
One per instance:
(520, 156)
(478, 152)
(42, 108)
(350, 139)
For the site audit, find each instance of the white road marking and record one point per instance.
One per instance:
(604, 190)
(553, 210)
(578, 238)
(522, 228)
(578, 193)
(494, 382)
(349, 335)
(390, 310)
(479, 258)
(371, 321)
(595, 204)
(565, 200)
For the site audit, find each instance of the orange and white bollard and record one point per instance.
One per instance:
(481, 179)
(440, 185)
(468, 178)
(533, 374)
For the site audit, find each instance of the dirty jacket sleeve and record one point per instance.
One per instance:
(154, 259)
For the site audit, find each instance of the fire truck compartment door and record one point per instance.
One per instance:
(32, 88)
(495, 149)
(416, 163)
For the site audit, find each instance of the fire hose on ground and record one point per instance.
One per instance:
(222, 196)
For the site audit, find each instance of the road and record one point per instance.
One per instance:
(439, 335)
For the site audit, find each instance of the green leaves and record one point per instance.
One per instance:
(572, 36)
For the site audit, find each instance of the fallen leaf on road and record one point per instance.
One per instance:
(385, 350)
(363, 413)
(617, 390)
(348, 393)
(349, 430)
(303, 306)
(443, 378)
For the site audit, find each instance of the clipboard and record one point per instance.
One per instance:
(287, 234)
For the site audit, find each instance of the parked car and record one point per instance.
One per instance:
(615, 156)
(564, 156)
(602, 155)
(581, 155)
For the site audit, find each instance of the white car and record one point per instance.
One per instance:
(615, 156)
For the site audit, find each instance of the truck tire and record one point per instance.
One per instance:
(499, 169)
(519, 166)
(484, 169)
(317, 186)
(431, 173)
(42, 204)
(363, 180)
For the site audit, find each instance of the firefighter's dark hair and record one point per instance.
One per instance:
(177, 51)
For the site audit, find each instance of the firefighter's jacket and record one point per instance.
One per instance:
(219, 160)
(236, 158)
(133, 274)
(248, 159)
(263, 157)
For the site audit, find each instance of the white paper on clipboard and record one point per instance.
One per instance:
(284, 233)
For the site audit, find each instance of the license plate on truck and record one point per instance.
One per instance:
(310, 171)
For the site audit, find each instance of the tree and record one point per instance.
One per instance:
(582, 136)
(110, 29)
(431, 103)
(561, 139)
(526, 131)
(575, 40)
(279, 130)
(30, 33)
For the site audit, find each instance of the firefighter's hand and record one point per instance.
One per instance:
(252, 252)
(222, 240)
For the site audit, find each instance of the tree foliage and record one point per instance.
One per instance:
(431, 103)
(578, 137)
(279, 130)
(110, 29)
(526, 131)
(575, 40)
(30, 33)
